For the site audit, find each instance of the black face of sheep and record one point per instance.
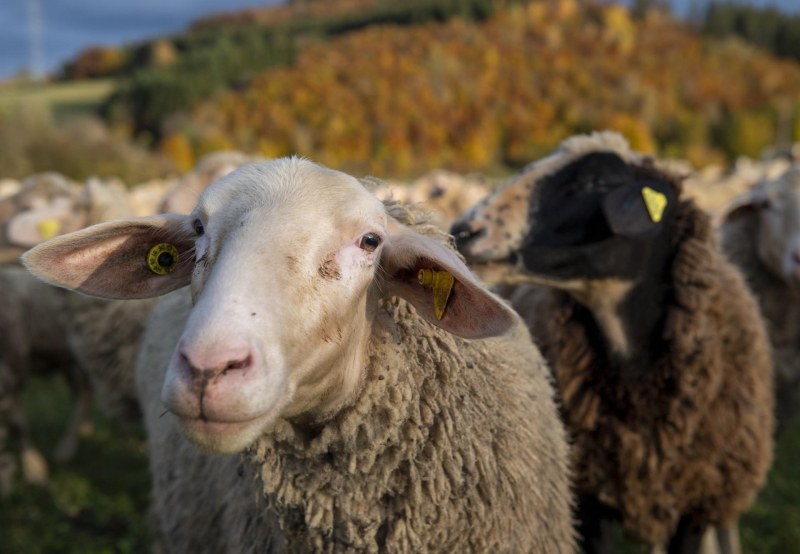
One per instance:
(595, 217)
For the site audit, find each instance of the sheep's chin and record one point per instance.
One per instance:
(225, 437)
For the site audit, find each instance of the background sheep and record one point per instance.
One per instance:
(658, 350)
(9, 187)
(760, 233)
(369, 428)
(181, 197)
(444, 194)
(48, 204)
(46, 330)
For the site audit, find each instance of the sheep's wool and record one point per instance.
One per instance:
(690, 435)
(779, 305)
(449, 447)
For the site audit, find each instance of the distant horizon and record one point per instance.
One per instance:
(70, 26)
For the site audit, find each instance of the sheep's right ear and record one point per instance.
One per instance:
(130, 258)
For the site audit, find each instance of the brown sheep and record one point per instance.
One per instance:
(658, 350)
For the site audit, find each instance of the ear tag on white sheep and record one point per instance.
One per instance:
(442, 284)
(655, 202)
(162, 258)
(48, 228)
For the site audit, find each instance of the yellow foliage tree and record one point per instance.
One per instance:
(177, 149)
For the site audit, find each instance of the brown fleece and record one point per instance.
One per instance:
(689, 436)
(779, 304)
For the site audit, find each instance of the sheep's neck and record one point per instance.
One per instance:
(628, 314)
(604, 298)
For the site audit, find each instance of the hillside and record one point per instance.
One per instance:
(477, 95)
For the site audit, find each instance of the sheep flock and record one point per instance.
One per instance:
(603, 344)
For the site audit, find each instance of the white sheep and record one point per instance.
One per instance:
(48, 204)
(44, 329)
(445, 194)
(760, 233)
(313, 345)
(181, 197)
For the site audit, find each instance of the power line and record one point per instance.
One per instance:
(35, 26)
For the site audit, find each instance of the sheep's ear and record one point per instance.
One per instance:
(30, 227)
(752, 200)
(636, 210)
(130, 258)
(438, 284)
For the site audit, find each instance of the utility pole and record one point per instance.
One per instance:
(35, 26)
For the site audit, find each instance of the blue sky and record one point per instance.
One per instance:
(68, 26)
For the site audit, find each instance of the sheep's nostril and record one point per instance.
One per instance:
(239, 364)
(796, 257)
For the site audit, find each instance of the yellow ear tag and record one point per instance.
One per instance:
(162, 258)
(48, 228)
(442, 284)
(655, 202)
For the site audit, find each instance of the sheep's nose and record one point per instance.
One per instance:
(210, 364)
(796, 257)
(464, 232)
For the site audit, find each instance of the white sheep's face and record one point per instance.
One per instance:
(273, 317)
(286, 261)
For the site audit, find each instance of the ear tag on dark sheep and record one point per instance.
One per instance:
(48, 228)
(442, 284)
(656, 203)
(627, 211)
(162, 258)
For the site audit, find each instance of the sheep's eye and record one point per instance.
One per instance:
(198, 227)
(369, 242)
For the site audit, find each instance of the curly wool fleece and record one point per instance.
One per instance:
(691, 435)
(452, 446)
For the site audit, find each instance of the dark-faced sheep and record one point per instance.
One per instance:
(760, 233)
(659, 353)
(330, 341)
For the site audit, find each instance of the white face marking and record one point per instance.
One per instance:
(280, 318)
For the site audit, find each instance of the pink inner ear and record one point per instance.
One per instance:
(110, 260)
(472, 312)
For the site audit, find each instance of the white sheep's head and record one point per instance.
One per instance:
(776, 205)
(287, 261)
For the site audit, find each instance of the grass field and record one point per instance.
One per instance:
(61, 99)
(98, 503)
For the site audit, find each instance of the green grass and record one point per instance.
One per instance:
(95, 504)
(773, 524)
(61, 99)
(98, 503)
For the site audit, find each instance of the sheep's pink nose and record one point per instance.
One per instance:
(210, 363)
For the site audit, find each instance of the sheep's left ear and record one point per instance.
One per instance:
(637, 209)
(438, 284)
(129, 258)
(754, 199)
